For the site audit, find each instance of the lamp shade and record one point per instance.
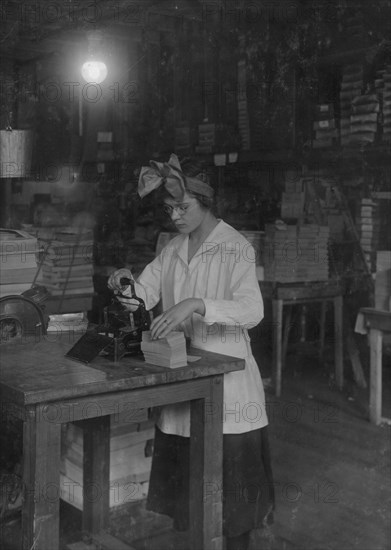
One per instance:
(15, 153)
(94, 71)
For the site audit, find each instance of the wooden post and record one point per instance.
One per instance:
(277, 306)
(5, 200)
(41, 467)
(375, 390)
(206, 478)
(96, 473)
(338, 337)
(354, 357)
(287, 327)
(323, 307)
(15, 158)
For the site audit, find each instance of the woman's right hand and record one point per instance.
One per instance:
(114, 282)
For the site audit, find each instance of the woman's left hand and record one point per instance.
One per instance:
(163, 324)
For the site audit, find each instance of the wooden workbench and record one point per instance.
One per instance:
(288, 294)
(45, 389)
(378, 322)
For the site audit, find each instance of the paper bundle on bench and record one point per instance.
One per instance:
(165, 352)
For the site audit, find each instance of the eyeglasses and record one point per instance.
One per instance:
(180, 209)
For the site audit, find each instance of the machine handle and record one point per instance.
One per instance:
(125, 281)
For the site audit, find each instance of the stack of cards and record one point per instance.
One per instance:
(351, 86)
(387, 105)
(18, 262)
(296, 253)
(68, 262)
(325, 126)
(369, 229)
(364, 118)
(165, 352)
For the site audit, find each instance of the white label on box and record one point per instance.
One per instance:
(220, 159)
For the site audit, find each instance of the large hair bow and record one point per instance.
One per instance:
(171, 176)
(159, 173)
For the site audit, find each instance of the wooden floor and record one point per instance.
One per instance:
(331, 473)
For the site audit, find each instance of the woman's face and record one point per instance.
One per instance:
(186, 214)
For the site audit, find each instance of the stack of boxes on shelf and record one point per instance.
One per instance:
(67, 262)
(364, 118)
(18, 253)
(356, 28)
(325, 126)
(292, 203)
(379, 90)
(387, 105)
(351, 86)
(213, 137)
(129, 467)
(369, 231)
(296, 253)
(379, 83)
(243, 119)
(364, 114)
(206, 137)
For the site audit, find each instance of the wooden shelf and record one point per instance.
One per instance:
(347, 56)
(379, 152)
(261, 156)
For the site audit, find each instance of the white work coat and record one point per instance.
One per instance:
(222, 274)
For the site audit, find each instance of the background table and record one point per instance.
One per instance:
(45, 389)
(287, 294)
(378, 322)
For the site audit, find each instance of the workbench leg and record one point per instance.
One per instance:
(287, 328)
(41, 477)
(96, 473)
(277, 306)
(323, 307)
(206, 465)
(338, 340)
(375, 389)
(303, 323)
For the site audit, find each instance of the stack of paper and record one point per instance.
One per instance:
(18, 270)
(386, 97)
(325, 126)
(369, 228)
(206, 137)
(243, 117)
(351, 86)
(68, 263)
(364, 118)
(296, 253)
(68, 322)
(165, 352)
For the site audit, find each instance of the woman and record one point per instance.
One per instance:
(205, 279)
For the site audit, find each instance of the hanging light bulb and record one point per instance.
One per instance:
(94, 70)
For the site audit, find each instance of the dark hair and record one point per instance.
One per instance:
(196, 168)
(206, 202)
(192, 168)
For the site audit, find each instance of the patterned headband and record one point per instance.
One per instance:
(171, 176)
